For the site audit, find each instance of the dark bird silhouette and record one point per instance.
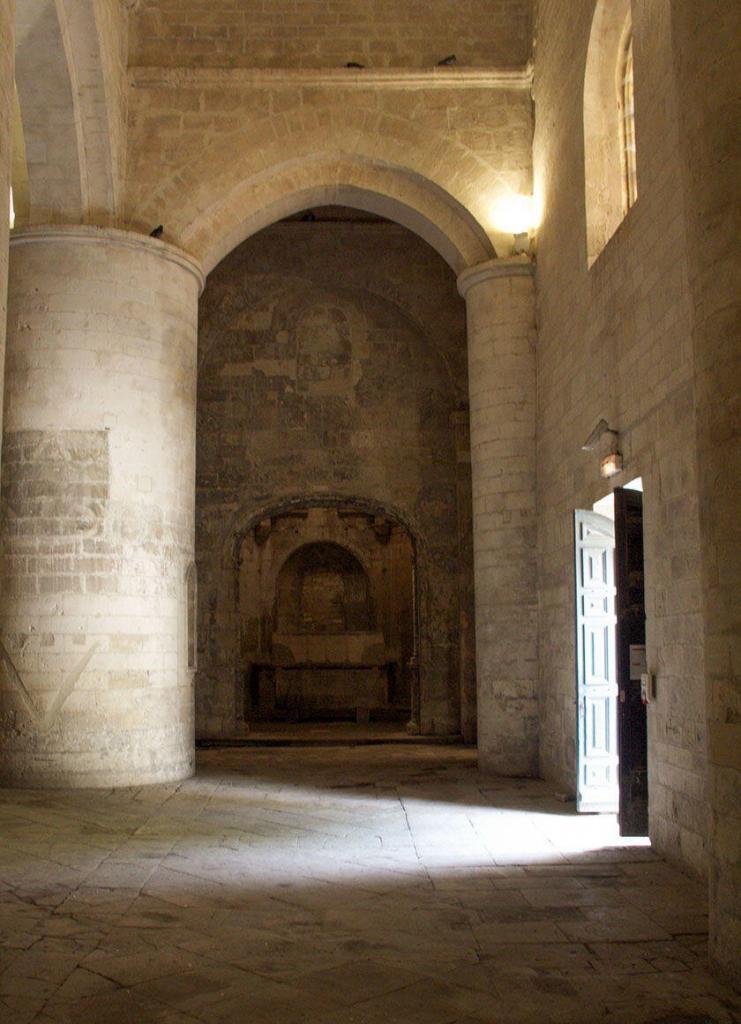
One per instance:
(354, 64)
(157, 232)
(447, 61)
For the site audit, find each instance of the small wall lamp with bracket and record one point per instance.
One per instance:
(611, 462)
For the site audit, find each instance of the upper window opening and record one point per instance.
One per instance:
(609, 124)
(628, 125)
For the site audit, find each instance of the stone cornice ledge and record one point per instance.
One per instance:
(513, 266)
(339, 78)
(87, 233)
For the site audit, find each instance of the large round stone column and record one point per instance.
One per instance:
(98, 493)
(501, 379)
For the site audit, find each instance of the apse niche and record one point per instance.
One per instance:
(327, 617)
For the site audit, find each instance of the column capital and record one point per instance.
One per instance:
(89, 234)
(513, 266)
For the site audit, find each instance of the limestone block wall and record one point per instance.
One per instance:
(615, 341)
(97, 510)
(312, 34)
(50, 112)
(332, 356)
(111, 19)
(706, 40)
(70, 70)
(7, 23)
(215, 154)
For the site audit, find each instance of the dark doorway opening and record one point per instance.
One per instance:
(630, 628)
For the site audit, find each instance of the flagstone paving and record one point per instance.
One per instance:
(358, 885)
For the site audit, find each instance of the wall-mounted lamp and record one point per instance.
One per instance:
(517, 215)
(612, 462)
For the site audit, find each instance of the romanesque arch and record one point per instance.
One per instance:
(212, 182)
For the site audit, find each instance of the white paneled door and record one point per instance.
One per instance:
(596, 688)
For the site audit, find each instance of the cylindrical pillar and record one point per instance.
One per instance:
(7, 91)
(98, 495)
(501, 375)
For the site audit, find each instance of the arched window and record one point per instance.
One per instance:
(609, 124)
(628, 123)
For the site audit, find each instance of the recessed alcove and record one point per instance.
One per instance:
(326, 613)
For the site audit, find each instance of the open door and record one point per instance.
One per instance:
(631, 662)
(596, 697)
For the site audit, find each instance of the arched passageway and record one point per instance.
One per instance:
(332, 408)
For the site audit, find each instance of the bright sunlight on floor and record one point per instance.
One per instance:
(358, 885)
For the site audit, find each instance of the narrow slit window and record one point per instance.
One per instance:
(628, 127)
(190, 617)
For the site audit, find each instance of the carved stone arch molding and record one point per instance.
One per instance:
(248, 517)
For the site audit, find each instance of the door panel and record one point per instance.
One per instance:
(597, 762)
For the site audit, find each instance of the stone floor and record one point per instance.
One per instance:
(364, 885)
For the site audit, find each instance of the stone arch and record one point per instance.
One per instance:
(65, 114)
(247, 517)
(386, 191)
(603, 170)
(213, 183)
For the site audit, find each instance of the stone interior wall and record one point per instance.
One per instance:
(71, 77)
(113, 30)
(615, 341)
(707, 39)
(326, 616)
(333, 363)
(317, 33)
(270, 137)
(7, 102)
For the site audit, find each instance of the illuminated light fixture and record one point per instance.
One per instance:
(612, 462)
(611, 465)
(519, 216)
